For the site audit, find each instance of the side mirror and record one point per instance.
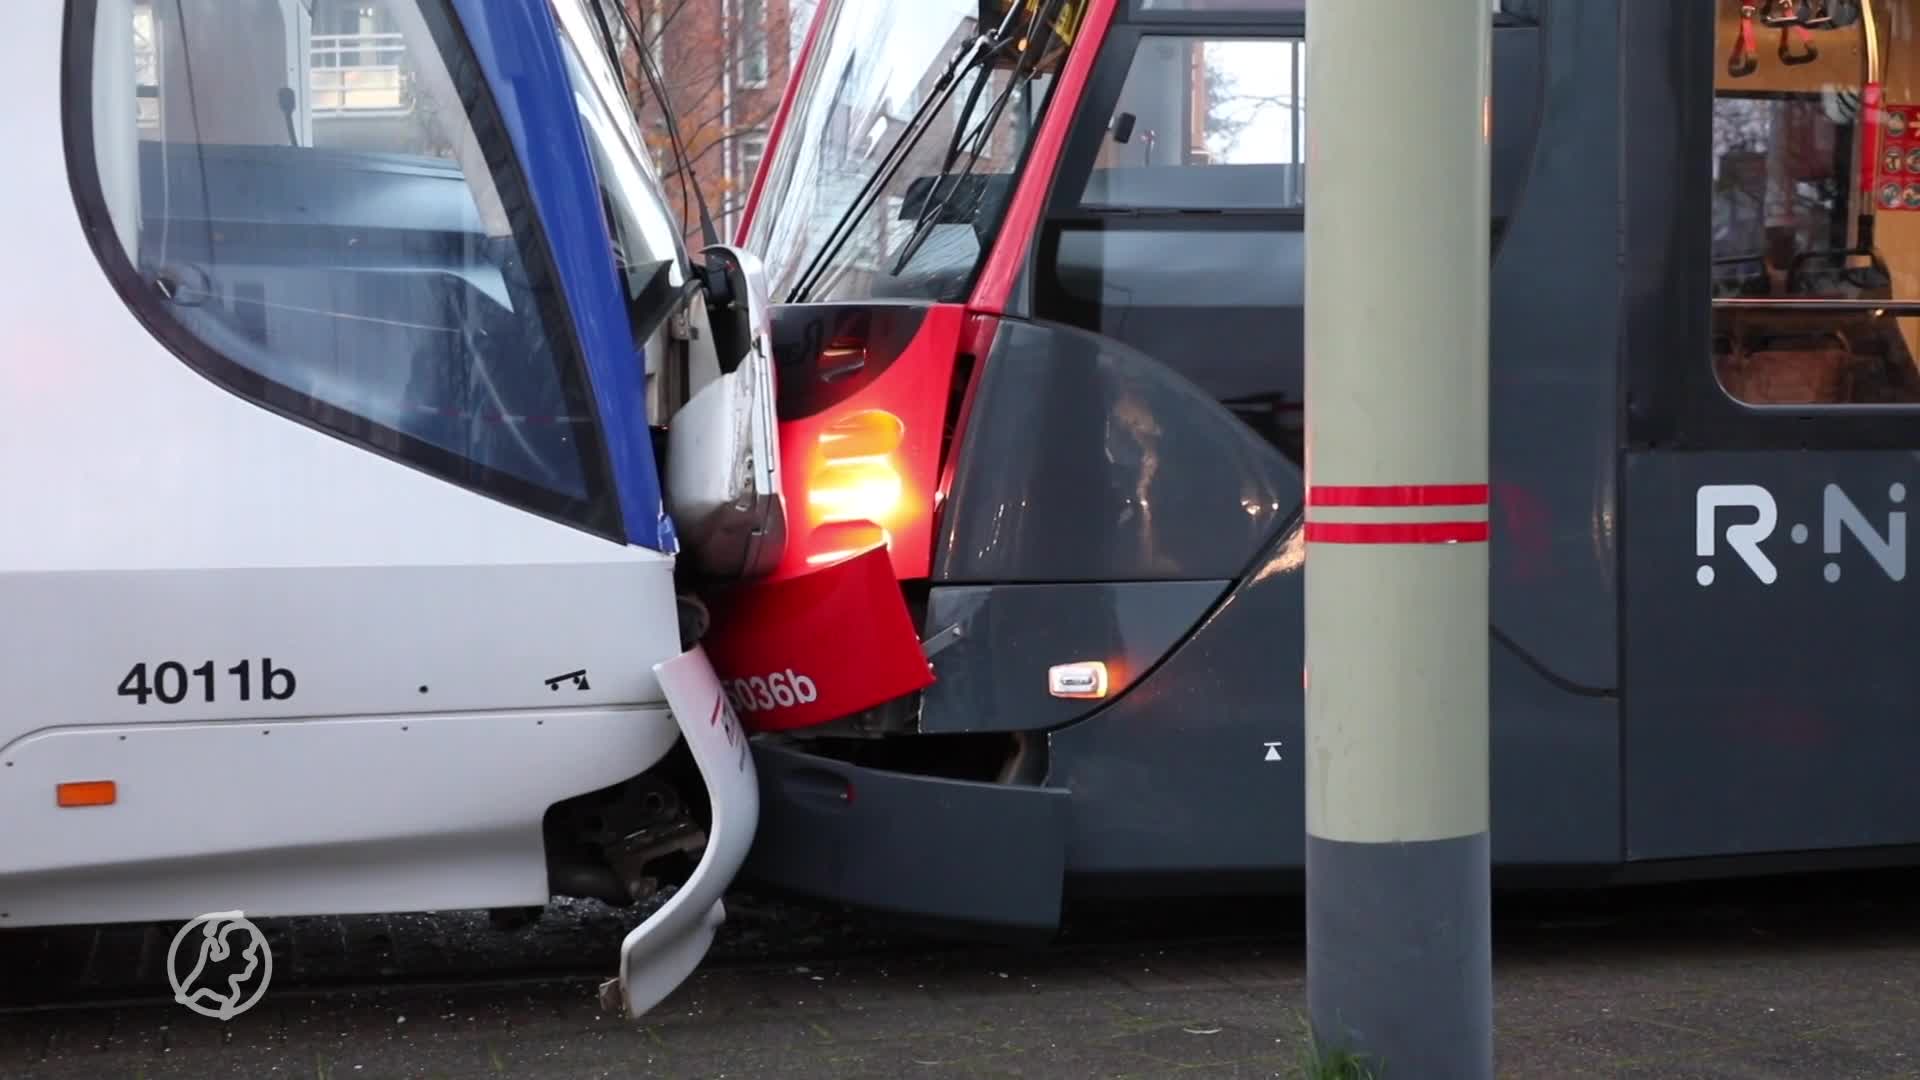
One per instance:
(738, 303)
(1123, 127)
(723, 446)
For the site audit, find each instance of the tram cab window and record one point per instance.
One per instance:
(1816, 202)
(346, 249)
(947, 167)
(1205, 125)
(1200, 123)
(1177, 221)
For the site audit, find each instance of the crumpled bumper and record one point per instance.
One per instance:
(659, 954)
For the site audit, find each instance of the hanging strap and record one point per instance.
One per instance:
(1796, 32)
(1744, 60)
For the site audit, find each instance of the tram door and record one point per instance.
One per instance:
(1772, 623)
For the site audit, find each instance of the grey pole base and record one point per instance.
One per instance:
(1399, 955)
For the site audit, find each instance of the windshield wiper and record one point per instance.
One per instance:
(936, 206)
(976, 51)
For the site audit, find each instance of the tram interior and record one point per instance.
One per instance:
(1816, 201)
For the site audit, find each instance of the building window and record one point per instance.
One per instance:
(753, 43)
(656, 34)
(1816, 207)
(752, 148)
(368, 276)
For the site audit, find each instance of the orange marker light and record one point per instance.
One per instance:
(867, 433)
(87, 793)
(856, 490)
(843, 540)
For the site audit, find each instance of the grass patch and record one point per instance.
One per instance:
(1321, 1063)
(1335, 1065)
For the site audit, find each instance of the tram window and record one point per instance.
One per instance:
(1198, 123)
(1816, 211)
(943, 185)
(1216, 124)
(343, 250)
(1153, 288)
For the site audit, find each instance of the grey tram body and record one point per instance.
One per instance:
(1644, 725)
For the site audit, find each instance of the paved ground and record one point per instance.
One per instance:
(1785, 984)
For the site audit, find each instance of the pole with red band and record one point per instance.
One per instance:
(1399, 956)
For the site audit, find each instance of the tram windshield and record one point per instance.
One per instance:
(910, 124)
(647, 248)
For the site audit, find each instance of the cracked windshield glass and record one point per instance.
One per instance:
(860, 214)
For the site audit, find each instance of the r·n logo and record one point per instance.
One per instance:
(1890, 551)
(1744, 539)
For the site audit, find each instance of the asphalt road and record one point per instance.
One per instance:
(1796, 980)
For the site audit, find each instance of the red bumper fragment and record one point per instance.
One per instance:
(824, 645)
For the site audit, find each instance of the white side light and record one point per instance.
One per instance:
(1086, 679)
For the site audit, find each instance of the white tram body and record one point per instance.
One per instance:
(337, 568)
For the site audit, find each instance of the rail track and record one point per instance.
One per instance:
(81, 968)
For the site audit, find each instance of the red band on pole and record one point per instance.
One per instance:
(1411, 532)
(1398, 495)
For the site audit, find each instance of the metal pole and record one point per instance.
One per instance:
(1399, 958)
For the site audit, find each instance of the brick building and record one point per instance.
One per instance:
(725, 64)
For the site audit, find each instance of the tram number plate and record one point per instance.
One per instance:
(779, 690)
(171, 682)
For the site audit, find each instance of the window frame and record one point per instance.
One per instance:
(1104, 86)
(1040, 295)
(1502, 12)
(597, 511)
(1036, 295)
(1177, 21)
(1670, 397)
(1108, 77)
(1104, 89)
